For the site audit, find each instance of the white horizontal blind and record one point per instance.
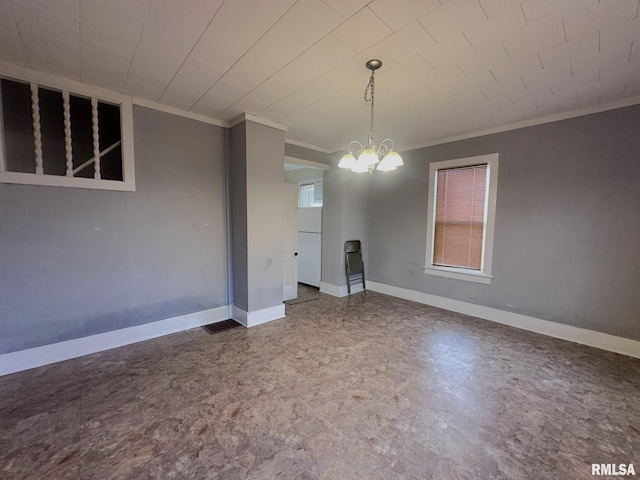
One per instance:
(460, 217)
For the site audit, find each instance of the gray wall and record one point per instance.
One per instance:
(567, 233)
(303, 174)
(345, 216)
(257, 159)
(238, 198)
(305, 153)
(78, 262)
(265, 159)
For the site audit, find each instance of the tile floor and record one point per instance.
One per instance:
(367, 387)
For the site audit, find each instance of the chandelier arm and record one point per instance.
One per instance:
(357, 143)
(384, 148)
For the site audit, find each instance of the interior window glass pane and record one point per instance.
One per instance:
(52, 128)
(110, 133)
(81, 134)
(17, 119)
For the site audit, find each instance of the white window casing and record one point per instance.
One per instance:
(96, 95)
(484, 275)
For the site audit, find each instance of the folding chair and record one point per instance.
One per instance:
(354, 266)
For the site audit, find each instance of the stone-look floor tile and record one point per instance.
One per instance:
(366, 386)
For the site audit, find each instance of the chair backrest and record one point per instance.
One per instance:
(354, 263)
(351, 246)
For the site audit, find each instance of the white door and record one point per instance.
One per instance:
(290, 242)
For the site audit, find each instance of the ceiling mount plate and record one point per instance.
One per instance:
(374, 64)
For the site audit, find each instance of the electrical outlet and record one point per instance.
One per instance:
(471, 294)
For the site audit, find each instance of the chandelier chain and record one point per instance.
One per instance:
(370, 98)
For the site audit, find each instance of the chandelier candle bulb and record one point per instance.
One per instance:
(384, 156)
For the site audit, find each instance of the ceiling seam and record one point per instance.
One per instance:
(302, 53)
(241, 57)
(24, 47)
(126, 78)
(191, 51)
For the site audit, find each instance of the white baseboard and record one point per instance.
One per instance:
(257, 317)
(57, 352)
(604, 341)
(339, 291)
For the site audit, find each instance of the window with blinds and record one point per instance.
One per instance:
(461, 217)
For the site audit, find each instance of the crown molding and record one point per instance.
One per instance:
(248, 117)
(143, 102)
(627, 102)
(291, 141)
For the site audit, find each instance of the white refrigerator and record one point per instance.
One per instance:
(309, 245)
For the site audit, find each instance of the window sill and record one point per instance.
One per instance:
(459, 274)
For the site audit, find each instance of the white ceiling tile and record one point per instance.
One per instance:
(611, 92)
(45, 54)
(452, 17)
(540, 34)
(515, 112)
(399, 13)
(362, 30)
(567, 51)
(156, 62)
(601, 15)
(156, 42)
(346, 8)
(320, 58)
(251, 104)
(60, 19)
(490, 32)
(410, 68)
(614, 48)
(512, 70)
(513, 88)
(407, 42)
(226, 89)
(310, 20)
(212, 102)
(629, 30)
(235, 28)
(471, 83)
(196, 76)
(546, 104)
(179, 98)
(102, 75)
(11, 47)
(536, 9)
(149, 92)
(448, 51)
(442, 76)
(621, 73)
(140, 77)
(171, 17)
(104, 53)
(277, 48)
(117, 12)
(539, 79)
(207, 110)
(121, 36)
(478, 63)
(495, 7)
(202, 8)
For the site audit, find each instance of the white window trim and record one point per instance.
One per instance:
(484, 274)
(59, 83)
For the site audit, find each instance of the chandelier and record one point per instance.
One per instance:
(382, 157)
